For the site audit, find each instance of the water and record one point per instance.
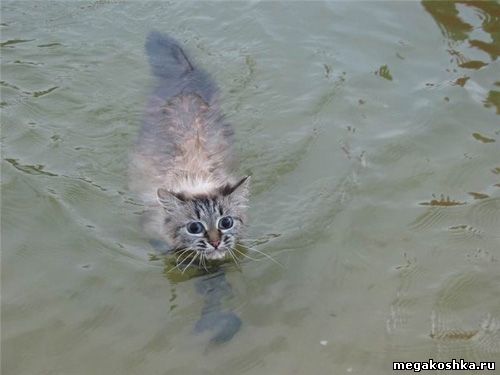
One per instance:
(371, 133)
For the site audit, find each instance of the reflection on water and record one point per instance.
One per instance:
(442, 202)
(371, 133)
(460, 22)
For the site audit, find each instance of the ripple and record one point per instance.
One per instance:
(434, 217)
(476, 195)
(482, 138)
(15, 41)
(37, 94)
(384, 72)
(49, 45)
(484, 338)
(464, 231)
(488, 336)
(323, 201)
(458, 318)
(273, 165)
(36, 169)
(401, 307)
(493, 100)
(485, 213)
(22, 62)
(392, 152)
(473, 64)
(450, 293)
(453, 335)
(480, 256)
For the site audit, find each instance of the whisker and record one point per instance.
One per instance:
(284, 251)
(204, 261)
(185, 258)
(246, 256)
(266, 255)
(192, 260)
(182, 253)
(176, 267)
(177, 263)
(173, 269)
(255, 242)
(250, 239)
(229, 250)
(263, 238)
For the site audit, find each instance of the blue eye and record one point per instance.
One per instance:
(195, 227)
(226, 222)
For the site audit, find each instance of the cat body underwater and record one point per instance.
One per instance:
(182, 162)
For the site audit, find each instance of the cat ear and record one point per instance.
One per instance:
(170, 200)
(239, 190)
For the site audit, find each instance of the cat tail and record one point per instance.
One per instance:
(174, 70)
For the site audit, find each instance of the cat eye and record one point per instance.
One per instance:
(195, 227)
(226, 222)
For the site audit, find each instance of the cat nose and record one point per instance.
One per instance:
(215, 243)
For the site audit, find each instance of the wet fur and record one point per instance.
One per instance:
(181, 166)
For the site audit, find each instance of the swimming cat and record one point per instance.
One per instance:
(182, 162)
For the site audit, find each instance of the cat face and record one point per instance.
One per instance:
(209, 224)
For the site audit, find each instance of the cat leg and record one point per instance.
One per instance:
(224, 324)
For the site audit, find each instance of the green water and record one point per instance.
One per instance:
(371, 131)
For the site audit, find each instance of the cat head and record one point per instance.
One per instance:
(208, 224)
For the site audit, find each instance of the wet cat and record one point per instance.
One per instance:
(182, 163)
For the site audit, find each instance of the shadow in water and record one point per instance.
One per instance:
(211, 285)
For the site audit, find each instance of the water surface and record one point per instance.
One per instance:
(371, 132)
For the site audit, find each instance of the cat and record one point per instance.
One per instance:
(182, 161)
